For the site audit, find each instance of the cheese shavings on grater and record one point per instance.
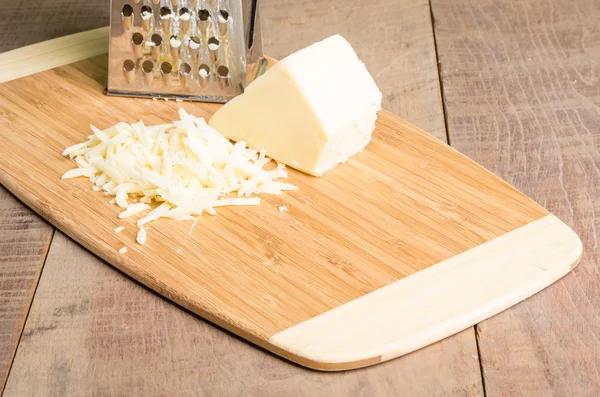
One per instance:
(201, 50)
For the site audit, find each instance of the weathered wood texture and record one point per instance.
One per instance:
(24, 241)
(27, 22)
(522, 91)
(448, 367)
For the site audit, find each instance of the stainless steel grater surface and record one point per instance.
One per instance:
(204, 50)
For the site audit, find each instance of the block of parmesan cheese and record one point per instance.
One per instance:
(311, 111)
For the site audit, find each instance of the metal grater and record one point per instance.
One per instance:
(202, 50)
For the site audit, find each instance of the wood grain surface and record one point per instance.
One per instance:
(408, 202)
(522, 89)
(449, 367)
(24, 242)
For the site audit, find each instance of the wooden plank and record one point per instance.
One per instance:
(24, 241)
(393, 38)
(26, 22)
(448, 367)
(522, 96)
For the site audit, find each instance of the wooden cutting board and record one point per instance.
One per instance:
(405, 244)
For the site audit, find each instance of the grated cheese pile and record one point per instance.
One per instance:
(187, 167)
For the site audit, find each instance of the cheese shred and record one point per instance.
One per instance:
(186, 167)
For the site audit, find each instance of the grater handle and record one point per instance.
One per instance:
(252, 23)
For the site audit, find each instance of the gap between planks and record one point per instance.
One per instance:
(449, 142)
(440, 84)
(37, 283)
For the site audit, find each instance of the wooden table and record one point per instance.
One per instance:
(514, 85)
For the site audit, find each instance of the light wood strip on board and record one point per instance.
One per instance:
(438, 301)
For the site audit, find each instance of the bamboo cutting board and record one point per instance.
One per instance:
(405, 244)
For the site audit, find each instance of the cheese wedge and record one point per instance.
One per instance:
(311, 111)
